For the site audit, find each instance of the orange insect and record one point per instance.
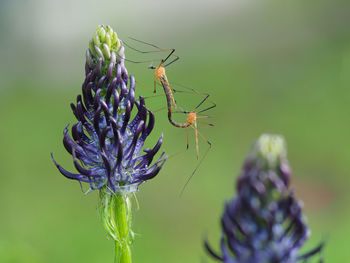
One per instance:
(193, 119)
(159, 74)
(159, 71)
(193, 116)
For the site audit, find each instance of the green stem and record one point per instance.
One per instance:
(122, 217)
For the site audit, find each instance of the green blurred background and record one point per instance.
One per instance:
(271, 66)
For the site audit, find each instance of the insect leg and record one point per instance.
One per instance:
(172, 50)
(206, 123)
(143, 86)
(196, 133)
(187, 145)
(205, 139)
(207, 109)
(171, 62)
(194, 171)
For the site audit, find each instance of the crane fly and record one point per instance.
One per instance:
(159, 71)
(194, 118)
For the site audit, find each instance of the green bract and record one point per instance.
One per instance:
(104, 44)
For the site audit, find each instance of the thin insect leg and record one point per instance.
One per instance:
(201, 102)
(207, 109)
(143, 52)
(158, 95)
(135, 62)
(160, 109)
(170, 87)
(145, 61)
(180, 112)
(206, 97)
(194, 171)
(193, 90)
(206, 123)
(143, 85)
(180, 91)
(175, 91)
(153, 96)
(196, 133)
(171, 52)
(205, 139)
(152, 91)
(173, 100)
(203, 95)
(143, 42)
(203, 116)
(173, 155)
(187, 138)
(155, 84)
(171, 62)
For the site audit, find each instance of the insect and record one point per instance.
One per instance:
(194, 118)
(159, 74)
(159, 71)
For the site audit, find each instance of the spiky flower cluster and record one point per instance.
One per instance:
(105, 45)
(106, 143)
(264, 223)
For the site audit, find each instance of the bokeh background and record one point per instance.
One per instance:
(271, 66)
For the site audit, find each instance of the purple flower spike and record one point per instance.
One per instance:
(264, 223)
(106, 142)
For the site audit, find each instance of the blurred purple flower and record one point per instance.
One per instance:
(264, 223)
(106, 144)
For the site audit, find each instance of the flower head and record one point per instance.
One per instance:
(264, 223)
(105, 45)
(106, 143)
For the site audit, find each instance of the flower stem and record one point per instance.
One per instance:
(122, 218)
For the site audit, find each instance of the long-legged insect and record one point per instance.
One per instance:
(192, 116)
(193, 119)
(159, 71)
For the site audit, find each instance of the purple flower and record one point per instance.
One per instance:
(264, 223)
(106, 143)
